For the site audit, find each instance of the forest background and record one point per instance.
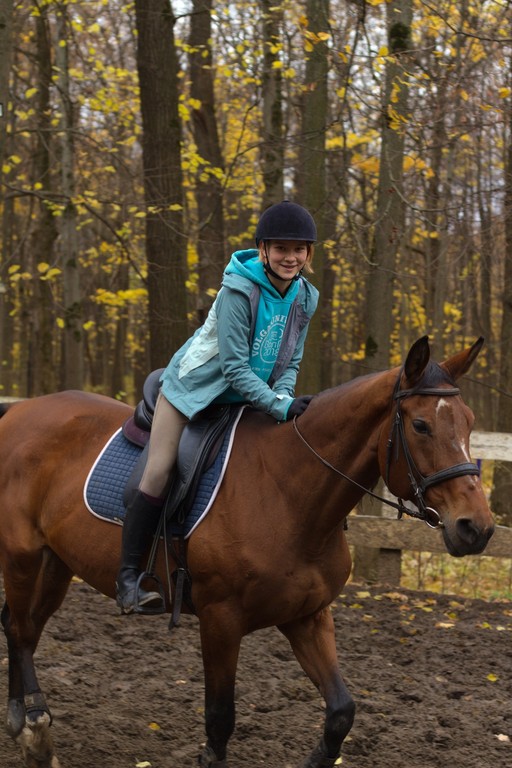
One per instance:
(140, 141)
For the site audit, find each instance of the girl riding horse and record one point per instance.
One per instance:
(247, 351)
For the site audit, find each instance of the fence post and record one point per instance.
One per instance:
(389, 567)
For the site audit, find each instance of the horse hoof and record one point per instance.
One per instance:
(208, 759)
(318, 759)
(36, 744)
(15, 718)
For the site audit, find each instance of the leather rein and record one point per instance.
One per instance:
(419, 482)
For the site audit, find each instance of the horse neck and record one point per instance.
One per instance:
(343, 426)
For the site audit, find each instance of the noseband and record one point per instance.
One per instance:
(419, 482)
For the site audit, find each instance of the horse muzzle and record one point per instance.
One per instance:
(466, 537)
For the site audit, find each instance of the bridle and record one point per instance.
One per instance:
(397, 440)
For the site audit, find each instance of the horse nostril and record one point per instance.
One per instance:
(468, 531)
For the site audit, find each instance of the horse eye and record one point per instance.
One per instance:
(420, 426)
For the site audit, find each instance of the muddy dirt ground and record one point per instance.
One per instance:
(431, 676)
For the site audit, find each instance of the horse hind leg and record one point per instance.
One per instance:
(34, 590)
(28, 717)
(35, 740)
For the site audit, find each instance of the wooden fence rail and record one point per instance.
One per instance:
(391, 537)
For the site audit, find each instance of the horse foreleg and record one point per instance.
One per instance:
(220, 643)
(313, 643)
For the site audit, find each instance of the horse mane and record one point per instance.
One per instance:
(346, 386)
(433, 376)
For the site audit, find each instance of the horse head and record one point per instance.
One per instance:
(424, 449)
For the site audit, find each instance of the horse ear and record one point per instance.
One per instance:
(416, 361)
(460, 363)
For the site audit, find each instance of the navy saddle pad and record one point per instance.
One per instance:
(105, 484)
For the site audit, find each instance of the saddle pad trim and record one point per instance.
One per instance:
(91, 472)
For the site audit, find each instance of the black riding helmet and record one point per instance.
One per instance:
(286, 221)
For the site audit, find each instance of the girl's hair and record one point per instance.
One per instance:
(307, 266)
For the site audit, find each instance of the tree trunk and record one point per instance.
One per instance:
(6, 14)
(118, 373)
(502, 490)
(272, 150)
(315, 374)
(43, 233)
(6, 322)
(209, 183)
(72, 371)
(166, 241)
(487, 259)
(436, 218)
(389, 226)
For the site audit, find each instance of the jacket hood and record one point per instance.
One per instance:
(245, 270)
(247, 264)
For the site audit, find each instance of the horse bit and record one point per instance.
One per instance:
(418, 482)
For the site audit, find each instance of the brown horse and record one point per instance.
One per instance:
(272, 550)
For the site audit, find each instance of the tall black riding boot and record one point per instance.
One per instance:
(141, 522)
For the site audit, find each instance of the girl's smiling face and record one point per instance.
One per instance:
(286, 258)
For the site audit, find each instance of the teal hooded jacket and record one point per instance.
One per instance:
(219, 362)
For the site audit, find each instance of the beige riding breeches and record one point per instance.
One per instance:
(168, 424)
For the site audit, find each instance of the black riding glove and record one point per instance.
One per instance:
(298, 406)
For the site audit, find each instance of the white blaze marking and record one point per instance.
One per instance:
(464, 447)
(465, 450)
